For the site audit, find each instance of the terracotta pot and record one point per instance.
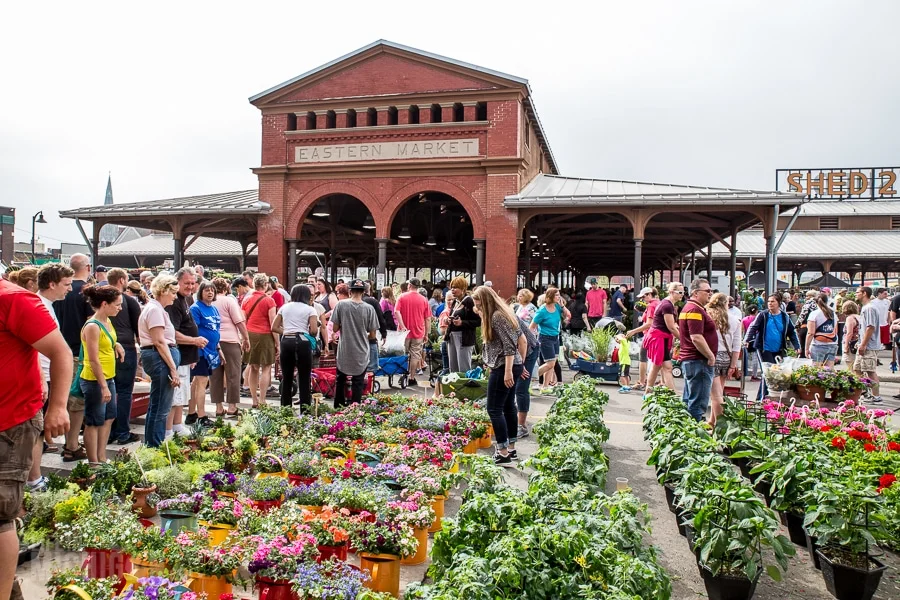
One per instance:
(139, 504)
(265, 506)
(213, 585)
(84, 483)
(339, 552)
(438, 506)
(385, 570)
(107, 563)
(275, 589)
(421, 554)
(141, 568)
(298, 480)
(484, 441)
(192, 444)
(809, 393)
(839, 397)
(471, 447)
(218, 532)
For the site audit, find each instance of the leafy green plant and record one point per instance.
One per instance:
(170, 481)
(602, 339)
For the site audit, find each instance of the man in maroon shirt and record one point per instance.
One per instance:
(26, 328)
(699, 344)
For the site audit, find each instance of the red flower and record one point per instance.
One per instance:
(894, 446)
(886, 481)
(860, 435)
(838, 442)
(825, 428)
(869, 447)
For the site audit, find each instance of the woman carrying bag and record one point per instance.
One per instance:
(298, 324)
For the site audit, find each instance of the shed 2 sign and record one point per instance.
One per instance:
(864, 183)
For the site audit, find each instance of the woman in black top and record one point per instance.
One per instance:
(461, 330)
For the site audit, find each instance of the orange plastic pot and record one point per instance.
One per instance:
(313, 509)
(437, 505)
(484, 441)
(471, 447)
(213, 585)
(421, 554)
(141, 568)
(385, 570)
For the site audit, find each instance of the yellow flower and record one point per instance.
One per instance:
(581, 562)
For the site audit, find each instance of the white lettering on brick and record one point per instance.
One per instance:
(386, 151)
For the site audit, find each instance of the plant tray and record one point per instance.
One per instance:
(28, 552)
(601, 370)
(465, 388)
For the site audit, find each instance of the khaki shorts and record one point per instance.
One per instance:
(414, 349)
(75, 404)
(16, 446)
(866, 361)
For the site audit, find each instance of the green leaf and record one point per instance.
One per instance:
(773, 572)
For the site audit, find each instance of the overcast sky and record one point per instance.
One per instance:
(703, 93)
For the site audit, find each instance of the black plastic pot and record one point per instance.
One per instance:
(681, 516)
(762, 488)
(794, 524)
(743, 464)
(811, 547)
(848, 583)
(689, 534)
(670, 496)
(724, 587)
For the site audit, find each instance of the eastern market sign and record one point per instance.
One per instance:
(386, 151)
(870, 183)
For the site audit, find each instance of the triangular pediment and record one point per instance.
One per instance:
(385, 68)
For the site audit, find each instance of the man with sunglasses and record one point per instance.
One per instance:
(699, 344)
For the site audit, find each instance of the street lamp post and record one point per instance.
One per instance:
(37, 218)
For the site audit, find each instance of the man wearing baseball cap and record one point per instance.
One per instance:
(357, 323)
(595, 302)
(100, 274)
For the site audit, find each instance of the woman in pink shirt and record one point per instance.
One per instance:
(233, 341)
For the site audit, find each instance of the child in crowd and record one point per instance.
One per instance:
(624, 364)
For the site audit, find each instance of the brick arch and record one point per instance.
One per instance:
(476, 216)
(309, 199)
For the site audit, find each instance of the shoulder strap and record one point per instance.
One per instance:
(255, 304)
(105, 330)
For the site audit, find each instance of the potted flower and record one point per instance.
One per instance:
(264, 494)
(157, 588)
(845, 385)
(223, 482)
(348, 469)
(211, 568)
(180, 512)
(269, 465)
(330, 580)
(275, 561)
(148, 551)
(102, 532)
(74, 584)
(303, 468)
(357, 496)
(82, 475)
(416, 513)
(845, 516)
(330, 529)
(220, 515)
(311, 497)
(380, 546)
(810, 382)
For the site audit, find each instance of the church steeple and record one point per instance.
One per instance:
(109, 199)
(108, 233)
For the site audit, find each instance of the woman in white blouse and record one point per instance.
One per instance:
(298, 323)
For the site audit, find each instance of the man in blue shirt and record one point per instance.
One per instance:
(617, 303)
(768, 335)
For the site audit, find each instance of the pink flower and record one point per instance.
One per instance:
(784, 430)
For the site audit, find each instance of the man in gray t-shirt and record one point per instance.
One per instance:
(869, 340)
(357, 323)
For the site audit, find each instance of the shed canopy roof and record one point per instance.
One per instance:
(816, 208)
(244, 202)
(818, 245)
(557, 191)
(160, 245)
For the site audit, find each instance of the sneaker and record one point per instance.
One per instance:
(190, 419)
(897, 396)
(412, 383)
(132, 437)
(624, 389)
(503, 461)
(38, 486)
(206, 421)
(420, 372)
(514, 455)
(893, 366)
(876, 399)
(180, 429)
(521, 432)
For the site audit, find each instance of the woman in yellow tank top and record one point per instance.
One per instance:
(101, 350)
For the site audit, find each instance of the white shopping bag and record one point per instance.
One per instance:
(395, 343)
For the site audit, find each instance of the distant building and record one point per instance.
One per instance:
(108, 233)
(7, 229)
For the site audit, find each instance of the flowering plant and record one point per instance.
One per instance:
(383, 537)
(886, 481)
(332, 441)
(264, 488)
(330, 527)
(189, 503)
(107, 526)
(414, 511)
(279, 558)
(221, 510)
(357, 495)
(221, 481)
(846, 382)
(304, 464)
(97, 589)
(339, 427)
(191, 552)
(158, 588)
(268, 463)
(331, 580)
(811, 376)
(350, 469)
(150, 544)
(314, 494)
(390, 471)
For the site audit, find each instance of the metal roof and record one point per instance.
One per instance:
(529, 103)
(817, 245)
(556, 191)
(850, 208)
(245, 202)
(161, 244)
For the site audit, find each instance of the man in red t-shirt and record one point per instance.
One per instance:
(595, 302)
(699, 344)
(26, 328)
(414, 316)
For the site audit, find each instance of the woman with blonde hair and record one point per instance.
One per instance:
(463, 323)
(135, 290)
(821, 333)
(728, 330)
(159, 356)
(851, 332)
(27, 278)
(504, 352)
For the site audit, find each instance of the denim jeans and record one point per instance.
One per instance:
(523, 394)
(501, 406)
(125, 372)
(698, 377)
(97, 412)
(161, 393)
(764, 356)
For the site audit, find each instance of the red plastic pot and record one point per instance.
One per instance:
(265, 505)
(107, 563)
(275, 589)
(339, 552)
(297, 480)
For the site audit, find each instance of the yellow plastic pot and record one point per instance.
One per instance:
(213, 585)
(421, 554)
(385, 570)
(218, 532)
(437, 505)
(471, 447)
(484, 441)
(141, 568)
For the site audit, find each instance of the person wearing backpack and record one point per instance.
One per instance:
(821, 333)
(769, 334)
(523, 390)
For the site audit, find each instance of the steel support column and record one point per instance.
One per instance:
(292, 264)
(637, 269)
(479, 262)
(732, 288)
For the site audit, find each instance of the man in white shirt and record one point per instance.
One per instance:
(882, 304)
(734, 310)
(54, 282)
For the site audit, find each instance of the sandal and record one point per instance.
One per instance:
(232, 415)
(73, 455)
